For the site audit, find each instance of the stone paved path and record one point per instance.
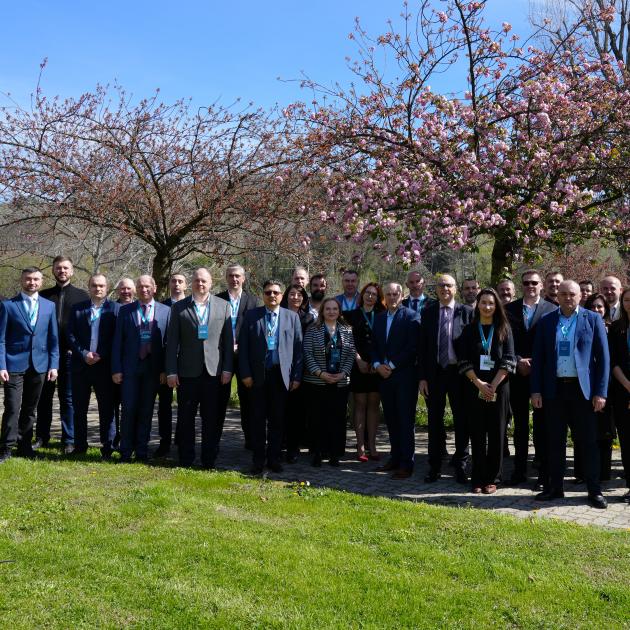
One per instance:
(362, 478)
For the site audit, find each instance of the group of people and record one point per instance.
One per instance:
(299, 355)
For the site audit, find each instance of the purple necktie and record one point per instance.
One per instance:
(443, 357)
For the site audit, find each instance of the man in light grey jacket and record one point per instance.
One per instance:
(199, 357)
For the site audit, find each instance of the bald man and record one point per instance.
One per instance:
(569, 381)
(442, 325)
(610, 288)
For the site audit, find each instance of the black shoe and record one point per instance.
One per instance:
(27, 453)
(334, 461)
(316, 461)
(125, 459)
(539, 486)
(292, 458)
(597, 501)
(161, 451)
(4, 456)
(276, 467)
(625, 498)
(106, 453)
(40, 443)
(578, 480)
(142, 459)
(208, 466)
(549, 495)
(516, 480)
(68, 449)
(432, 476)
(460, 476)
(256, 470)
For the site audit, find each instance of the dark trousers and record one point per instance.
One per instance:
(117, 402)
(21, 393)
(570, 408)
(45, 405)
(165, 415)
(446, 382)
(399, 397)
(269, 401)
(520, 403)
(328, 404)
(297, 424)
(200, 392)
(487, 423)
(95, 377)
(138, 393)
(244, 397)
(621, 399)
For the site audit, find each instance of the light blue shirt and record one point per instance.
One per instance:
(565, 366)
(529, 310)
(95, 323)
(273, 357)
(31, 306)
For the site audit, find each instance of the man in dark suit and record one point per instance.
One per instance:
(552, 283)
(29, 355)
(91, 327)
(199, 358)
(442, 325)
(524, 315)
(417, 300)
(177, 288)
(394, 357)
(64, 296)
(240, 302)
(570, 371)
(270, 364)
(138, 365)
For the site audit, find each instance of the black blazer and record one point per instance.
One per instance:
(469, 351)
(401, 346)
(248, 302)
(80, 331)
(619, 353)
(64, 298)
(428, 341)
(524, 338)
(428, 302)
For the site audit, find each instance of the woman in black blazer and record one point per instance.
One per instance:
(329, 354)
(296, 429)
(619, 343)
(485, 352)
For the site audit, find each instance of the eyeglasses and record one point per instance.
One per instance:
(445, 285)
(530, 283)
(370, 294)
(269, 292)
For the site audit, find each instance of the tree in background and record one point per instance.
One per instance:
(532, 152)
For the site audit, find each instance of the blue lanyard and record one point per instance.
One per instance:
(486, 343)
(203, 319)
(333, 337)
(370, 320)
(235, 304)
(145, 320)
(564, 329)
(348, 306)
(95, 313)
(272, 327)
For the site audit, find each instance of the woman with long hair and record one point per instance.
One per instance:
(619, 343)
(485, 352)
(364, 381)
(329, 354)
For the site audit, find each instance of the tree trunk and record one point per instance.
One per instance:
(162, 265)
(502, 258)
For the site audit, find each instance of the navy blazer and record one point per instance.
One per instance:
(80, 331)
(429, 330)
(524, 337)
(252, 346)
(591, 355)
(126, 348)
(21, 344)
(401, 346)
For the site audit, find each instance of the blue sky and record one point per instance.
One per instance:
(205, 50)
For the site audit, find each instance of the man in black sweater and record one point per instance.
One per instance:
(64, 296)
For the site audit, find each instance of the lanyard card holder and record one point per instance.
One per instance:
(486, 363)
(564, 348)
(145, 336)
(202, 331)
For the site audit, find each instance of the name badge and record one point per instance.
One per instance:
(564, 348)
(271, 342)
(145, 336)
(202, 331)
(485, 363)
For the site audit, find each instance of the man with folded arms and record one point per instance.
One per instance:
(569, 381)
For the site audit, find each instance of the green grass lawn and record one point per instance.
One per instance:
(103, 545)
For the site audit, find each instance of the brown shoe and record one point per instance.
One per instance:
(402, 473)
(489, 489)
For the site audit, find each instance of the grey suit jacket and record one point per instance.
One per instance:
(186, 354)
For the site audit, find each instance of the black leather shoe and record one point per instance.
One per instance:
(316, 461)
(334, 461)
(4, 456)
(256, 470)
(292, 458)
(432, 476)
(161, 451)
(549, 495)
(538, 486)
(106, 453)
(40, 443)
(460, 476)
(276, 467)
(597, 501)
(516, 480)
(27, 453)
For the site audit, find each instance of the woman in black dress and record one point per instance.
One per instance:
(364, 380)
(296, 428)
(619, 343)
(485, 352)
